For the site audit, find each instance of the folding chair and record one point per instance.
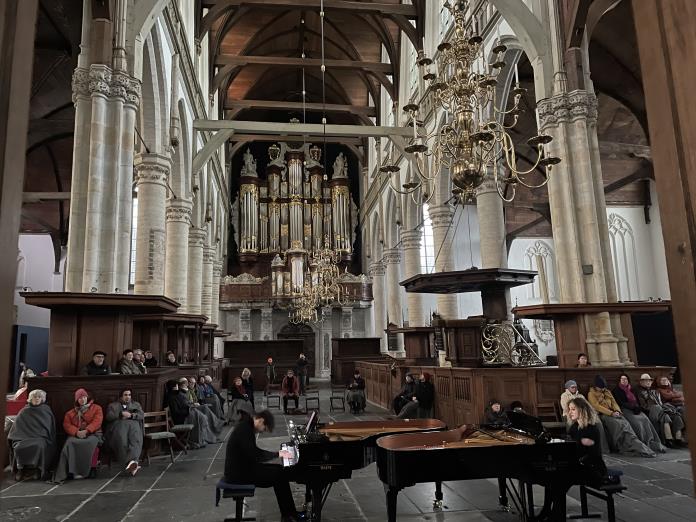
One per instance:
(338, 393)
(156, 427)
(311, 395)
(182, 432)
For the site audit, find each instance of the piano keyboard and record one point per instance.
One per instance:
(295, 454)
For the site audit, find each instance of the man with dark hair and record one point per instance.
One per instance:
(583, 361)
(301, 365)
(245, 463)
(97, 366)
(124, 430)
(150, 361)
(290, 389)
(171, 359)
(126, 365)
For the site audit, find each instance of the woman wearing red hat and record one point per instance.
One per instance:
(82, 424)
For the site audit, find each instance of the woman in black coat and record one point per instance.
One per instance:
(585, 431)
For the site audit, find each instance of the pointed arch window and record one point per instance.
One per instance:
(624, 256)
(539, 257)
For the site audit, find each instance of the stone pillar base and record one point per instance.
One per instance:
(603, 344)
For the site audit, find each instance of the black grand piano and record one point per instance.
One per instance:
(324, 454)
(522, 451)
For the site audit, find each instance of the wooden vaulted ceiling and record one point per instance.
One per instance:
(256, 56)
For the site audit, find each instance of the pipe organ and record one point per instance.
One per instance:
(297, 207)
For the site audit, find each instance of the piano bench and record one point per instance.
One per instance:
(604, 492)
(238, 492)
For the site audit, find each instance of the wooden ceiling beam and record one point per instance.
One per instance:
(286, 61)
(317, 138)
(406, 10)
(298, 106)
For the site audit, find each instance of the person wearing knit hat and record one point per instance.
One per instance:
(570, 393)
(620, 434)
(82, 424)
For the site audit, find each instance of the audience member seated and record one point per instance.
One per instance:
(667, 420)
(209, 382)
(183, 412)
(97, 366)
(270, 372)
(494, 415)
(187, 387)
(355, 395)
(150, 361)
(248, 383)
(586, 431)
(139, 361)
(290, 389)
(643, 428)
(126, 365)
(26, 372)
(421, 404)
(206, 395)
(408, 390)
(124, 430)
(245, 463)
(171, 360)
(83, 426)
(670, 395)
(620, 434)
(583, 361)
(19, 399)
(517, 407)
(32, 437)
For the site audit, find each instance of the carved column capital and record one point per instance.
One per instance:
(179, 211)
(567, 107)
(152, 168)
(411, 239)
(197, 237)
(441, 215)
(376, 269)
(392, 256)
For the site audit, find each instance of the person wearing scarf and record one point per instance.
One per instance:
(206, 395)
(124, 430)
(670, 395)
(643, 428)
(666, 419)
(620, 434)
(238, 396)
(32, 437)
(83, 425)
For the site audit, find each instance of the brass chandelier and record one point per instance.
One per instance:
(320, 286)
(474, 141)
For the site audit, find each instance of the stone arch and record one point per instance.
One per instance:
(412, 210)
(541, 252)
(153, 109)
(392, 219)
(625, 258)
(377, 237)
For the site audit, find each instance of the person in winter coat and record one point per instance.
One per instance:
(408, 390)
(421, 404)
(643, 428)
(667, 420)
(586, 431)
(495, 416)
(83, 426)
(33, 436)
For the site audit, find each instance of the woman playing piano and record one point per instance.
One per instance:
(585, 431)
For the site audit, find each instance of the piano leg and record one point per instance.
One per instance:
(317, 501)
(392, 494)
(437, 503)
(502, 494)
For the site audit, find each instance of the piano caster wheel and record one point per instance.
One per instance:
(505, 508)
(437, 505)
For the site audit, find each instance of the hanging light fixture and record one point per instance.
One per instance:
(474, 140)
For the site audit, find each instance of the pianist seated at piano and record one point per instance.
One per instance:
(495, 416)
(620, 434)
(571, 392)
(246, 463)
(421, 404)
(355, 395)
(290, 389)
(585, 430)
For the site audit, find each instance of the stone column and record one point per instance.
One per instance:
(152, 171)
(578, 217)
(207, 281)
(346, 321)
(411, 244)
(443, 235)
(266, 324)
(215, 312)
(196, 239)
(392, 260)
(245, 324)
(178, 215)
(323, 355)
(379, 303)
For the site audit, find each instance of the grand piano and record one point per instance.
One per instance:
(324, 454)
(522, 451)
